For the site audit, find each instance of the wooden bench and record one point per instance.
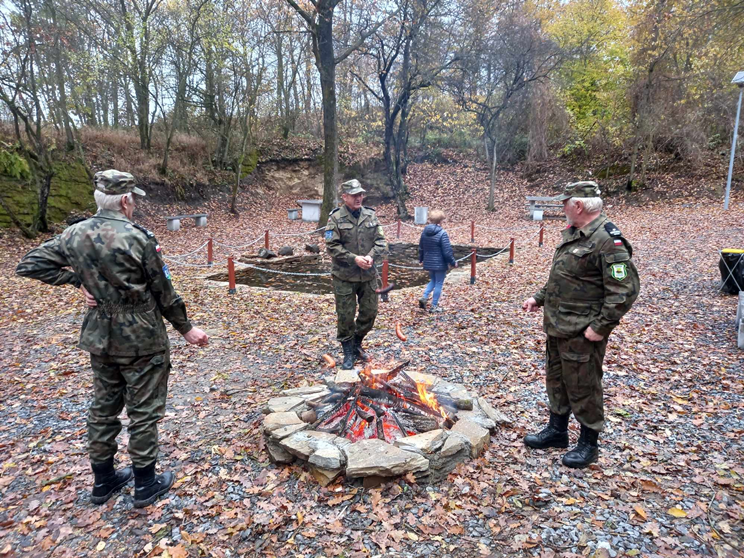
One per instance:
(174, 223)
(538, 204)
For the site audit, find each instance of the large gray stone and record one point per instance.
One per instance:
(328, 457)
(478, 417)
(475, 435)
(275, 421)
(455, 391)
(453, 445)
(497, 416)
(285, 431)
(324, 476)
(278, 454)
(377, 458)
(304, 391)
(304, 444)
(425, 443)
(284, 404)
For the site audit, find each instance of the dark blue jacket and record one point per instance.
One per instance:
(435, 250)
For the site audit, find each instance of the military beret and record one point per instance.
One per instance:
(114, 183)
(584, 189)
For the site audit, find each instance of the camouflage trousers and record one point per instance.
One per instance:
(140, 383)
(347, 293)
(573, 378)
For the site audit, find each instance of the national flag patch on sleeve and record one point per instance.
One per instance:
(157, 248)
(618, 242)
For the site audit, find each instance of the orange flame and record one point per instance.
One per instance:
(429, 400)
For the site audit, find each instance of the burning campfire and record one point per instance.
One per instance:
(378, 423)
(386, 406)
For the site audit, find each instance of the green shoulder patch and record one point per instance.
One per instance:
(619, 271)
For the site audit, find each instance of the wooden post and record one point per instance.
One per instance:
(385, 283)
(398, 236)
(472, 266)
(511, 250)
(542, 230)
(266, 239)
(231, 276)
(210, 254)
(472, 231)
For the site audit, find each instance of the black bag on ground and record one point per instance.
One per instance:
(731, 265)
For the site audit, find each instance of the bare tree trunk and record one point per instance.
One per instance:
(492, 185)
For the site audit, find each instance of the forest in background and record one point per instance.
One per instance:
(627, 86)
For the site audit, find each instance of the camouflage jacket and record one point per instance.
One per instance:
(347, 237)
(119, 263)
(593, 282)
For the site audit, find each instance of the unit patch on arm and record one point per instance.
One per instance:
(166, 272)
(619, 271)
(328, 235)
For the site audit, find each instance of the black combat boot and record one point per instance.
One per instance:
(348, 347)
(107, 480)
(148, 486)
(555, 435)
(586, 451)
(359, 352)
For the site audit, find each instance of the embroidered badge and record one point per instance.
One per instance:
(157, 248)
(619, 271)
(328, 235)
(618, 242)
(166, 272)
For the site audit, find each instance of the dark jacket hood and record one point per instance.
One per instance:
(432, 229)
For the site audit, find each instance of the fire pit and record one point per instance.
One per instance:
(379, 423)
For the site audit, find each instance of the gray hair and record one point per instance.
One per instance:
(112, 202)
(591, 205)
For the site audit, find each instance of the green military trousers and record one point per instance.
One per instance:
(347, 293)
(574, 378)
(142, 384)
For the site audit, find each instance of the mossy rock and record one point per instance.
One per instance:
(71, 190)
(618, 169)
(250, 161)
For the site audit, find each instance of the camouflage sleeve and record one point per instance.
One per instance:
(621, 286)
(46, 263)
(380, 249)
(333, 243)
(171, 305)
(539, 296)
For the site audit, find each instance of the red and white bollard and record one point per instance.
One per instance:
(542, 231)
(266, 239)
(210, 253)
(385, 270)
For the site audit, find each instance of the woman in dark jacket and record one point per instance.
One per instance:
(435, 253)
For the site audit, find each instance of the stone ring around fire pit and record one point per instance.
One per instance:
(379, 423)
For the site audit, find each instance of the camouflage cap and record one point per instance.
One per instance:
(352, 187)
(114, 183)
(584, 189)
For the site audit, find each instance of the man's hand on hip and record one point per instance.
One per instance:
(530, 305)
(592, 336)
(89, 298)
(196, 336)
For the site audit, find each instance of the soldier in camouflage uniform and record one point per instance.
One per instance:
(118, 266)
(592, 284)
(355, 241)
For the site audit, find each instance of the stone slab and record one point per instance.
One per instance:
(425, 443)
(420, 378)
(303, 391)
(324, 476)
(275, 421)
(352, 377)
(304, 444)
(281, 433)
(475, 435)
(375, 457)
(497, 416)
(328, 457)
(284, 404)
(452, 445)
(478, 417)
(455, 391)
(278, 454)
